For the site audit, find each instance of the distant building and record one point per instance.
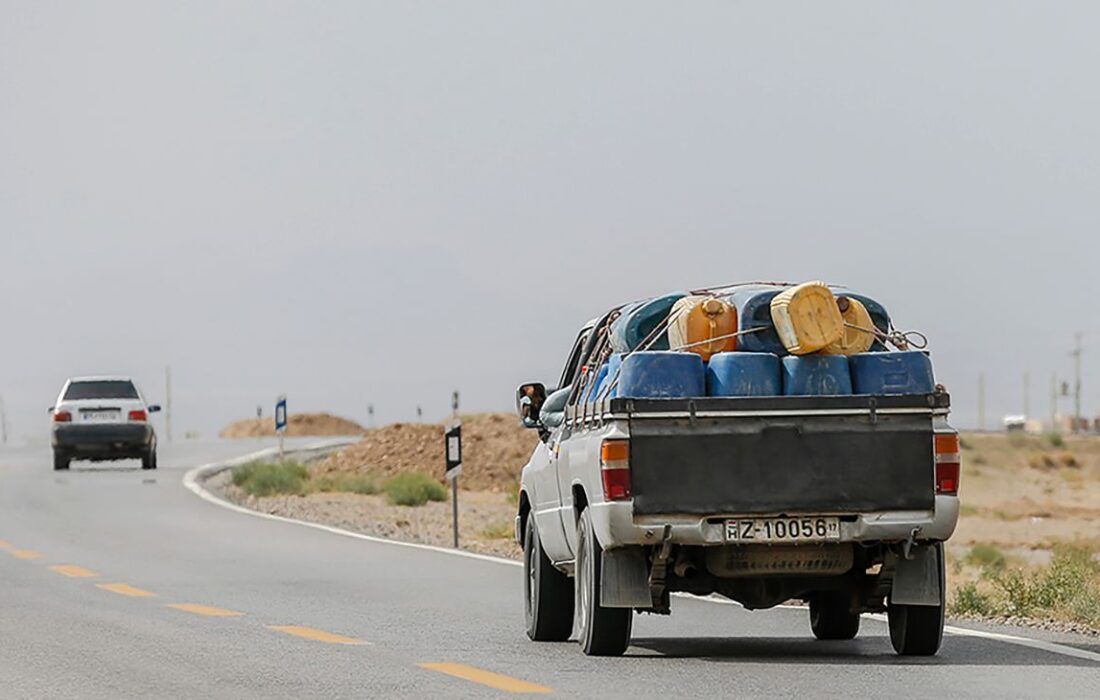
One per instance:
(1022, 424)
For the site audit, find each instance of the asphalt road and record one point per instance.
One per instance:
(119, 583)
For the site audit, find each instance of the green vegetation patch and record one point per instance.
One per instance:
(344, 483)
(293, 478)
(1067, 589)
(414, 489)
(986, 556)
(501, 530)
(970, 601)
(270, 478)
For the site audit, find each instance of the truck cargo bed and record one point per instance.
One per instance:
(779, 455)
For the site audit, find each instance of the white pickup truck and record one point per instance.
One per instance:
(839, 501)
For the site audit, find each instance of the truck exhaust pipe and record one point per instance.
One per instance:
(684, 568)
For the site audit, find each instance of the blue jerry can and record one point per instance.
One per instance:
(907, 372)
(816, 375)
(744, 374)
(662, 375)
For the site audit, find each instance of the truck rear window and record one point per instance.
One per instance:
(101, 390)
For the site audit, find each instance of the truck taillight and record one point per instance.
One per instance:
(62, 417)
(139, 416)
(948, 459)
(615, 469)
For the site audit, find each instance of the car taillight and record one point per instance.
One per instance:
(948, 458)
(62, 417)
(139, 415)
(615, 469)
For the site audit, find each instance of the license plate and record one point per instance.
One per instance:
(795, 529)
(101, 416)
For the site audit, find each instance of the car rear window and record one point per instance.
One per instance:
(101, 390)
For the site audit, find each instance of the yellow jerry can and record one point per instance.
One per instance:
(807, 318)
(696, 320)
(858, 325)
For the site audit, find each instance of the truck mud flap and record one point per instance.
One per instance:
(917, 580)
(624, 579)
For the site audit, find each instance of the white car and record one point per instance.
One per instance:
(102, 418)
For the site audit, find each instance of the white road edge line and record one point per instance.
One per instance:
(193, 481)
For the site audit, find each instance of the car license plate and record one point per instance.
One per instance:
(794, 529)
(101, 416)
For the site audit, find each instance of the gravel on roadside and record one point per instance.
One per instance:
(485, 519)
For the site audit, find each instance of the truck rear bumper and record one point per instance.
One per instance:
(616, 525)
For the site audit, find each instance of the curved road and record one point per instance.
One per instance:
(119, 583)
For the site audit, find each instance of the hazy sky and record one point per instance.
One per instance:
(380, 202)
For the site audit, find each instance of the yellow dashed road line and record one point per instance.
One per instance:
(73, 571)
(315, 635)
(26, 554)
(125, 589)
(206, 610)
(487, 678)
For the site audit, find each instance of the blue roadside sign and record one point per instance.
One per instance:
(280, 414)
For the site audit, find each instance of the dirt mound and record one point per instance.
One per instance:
(494, 447)
(299, 425)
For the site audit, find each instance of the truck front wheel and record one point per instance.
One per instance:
(601, 631)
(548, 593)
(831, 618)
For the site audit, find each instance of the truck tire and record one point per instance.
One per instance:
(149, 459)
(601, 631)
(61, 461)
(831, 618)
(917, 630)
(548, 593)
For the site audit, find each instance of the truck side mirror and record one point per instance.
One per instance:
(155, 408)
(529, 400)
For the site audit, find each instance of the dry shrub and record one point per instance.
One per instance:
(1068, 460)
(1042, 461)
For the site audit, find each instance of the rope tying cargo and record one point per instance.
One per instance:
(719, 338)
(902, 340)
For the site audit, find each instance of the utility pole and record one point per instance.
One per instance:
(981, 402)
(168, 402)
(1027, 395)
(370, 415)
(1076, 355)
(1053, 403)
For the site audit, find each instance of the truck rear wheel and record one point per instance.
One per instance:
(831, 618)
(917, 630)
(601, 631)
(548, 593)
(149, 459)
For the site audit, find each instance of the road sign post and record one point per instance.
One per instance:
(280, 421)
(452, 438)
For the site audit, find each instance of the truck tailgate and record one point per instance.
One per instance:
(815, 462)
